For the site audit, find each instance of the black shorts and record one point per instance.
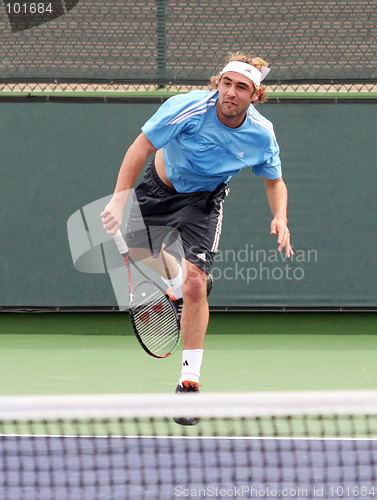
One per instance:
(188, 224)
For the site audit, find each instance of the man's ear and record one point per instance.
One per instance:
(256, 95)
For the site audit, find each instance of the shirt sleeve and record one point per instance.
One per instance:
(271, 166)
(174, 116)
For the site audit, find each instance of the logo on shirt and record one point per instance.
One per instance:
(202, 256)
(241, 155)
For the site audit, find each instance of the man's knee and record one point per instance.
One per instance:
(195, 285)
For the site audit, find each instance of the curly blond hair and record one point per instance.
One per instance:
(257, 62)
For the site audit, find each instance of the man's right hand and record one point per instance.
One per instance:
(112, 215)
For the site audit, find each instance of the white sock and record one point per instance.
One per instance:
(191, 363)
(175, 284)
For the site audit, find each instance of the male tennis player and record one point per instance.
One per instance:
(201, 140)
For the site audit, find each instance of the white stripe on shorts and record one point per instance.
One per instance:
(216, 240)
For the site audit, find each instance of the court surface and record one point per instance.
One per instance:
(74, 353)
(62, 353)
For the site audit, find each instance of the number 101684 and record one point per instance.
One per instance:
(29, 8)
(353, 491)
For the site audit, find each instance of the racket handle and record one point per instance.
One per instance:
(120, 243)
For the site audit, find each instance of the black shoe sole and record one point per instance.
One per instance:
(186, 420)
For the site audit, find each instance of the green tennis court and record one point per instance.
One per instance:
(61, 353)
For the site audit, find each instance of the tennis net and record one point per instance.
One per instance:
(249, 445)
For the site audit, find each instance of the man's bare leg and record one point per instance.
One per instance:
(195, 312)
(194, 323)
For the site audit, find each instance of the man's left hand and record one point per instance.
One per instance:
(279, 227)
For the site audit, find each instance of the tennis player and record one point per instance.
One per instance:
(200, 140)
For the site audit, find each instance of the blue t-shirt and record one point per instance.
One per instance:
(200, 152)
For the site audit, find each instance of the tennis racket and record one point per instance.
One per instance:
(153, 316)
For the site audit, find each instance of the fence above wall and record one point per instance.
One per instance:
(182, 42)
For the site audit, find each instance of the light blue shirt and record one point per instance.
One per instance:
(200, 152)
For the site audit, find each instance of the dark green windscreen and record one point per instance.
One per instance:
(58, 158)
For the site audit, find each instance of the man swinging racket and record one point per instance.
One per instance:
(201, 140)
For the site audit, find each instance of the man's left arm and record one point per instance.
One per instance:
(277, 195)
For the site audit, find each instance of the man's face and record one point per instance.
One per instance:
(236, 92)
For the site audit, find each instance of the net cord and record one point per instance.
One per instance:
(290, 403)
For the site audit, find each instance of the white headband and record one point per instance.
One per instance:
(248, 70)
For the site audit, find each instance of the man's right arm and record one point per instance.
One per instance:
(130, 169)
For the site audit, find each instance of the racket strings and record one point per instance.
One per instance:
(155, 332)
(155, 319)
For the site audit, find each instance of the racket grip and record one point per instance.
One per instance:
(120, 243)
